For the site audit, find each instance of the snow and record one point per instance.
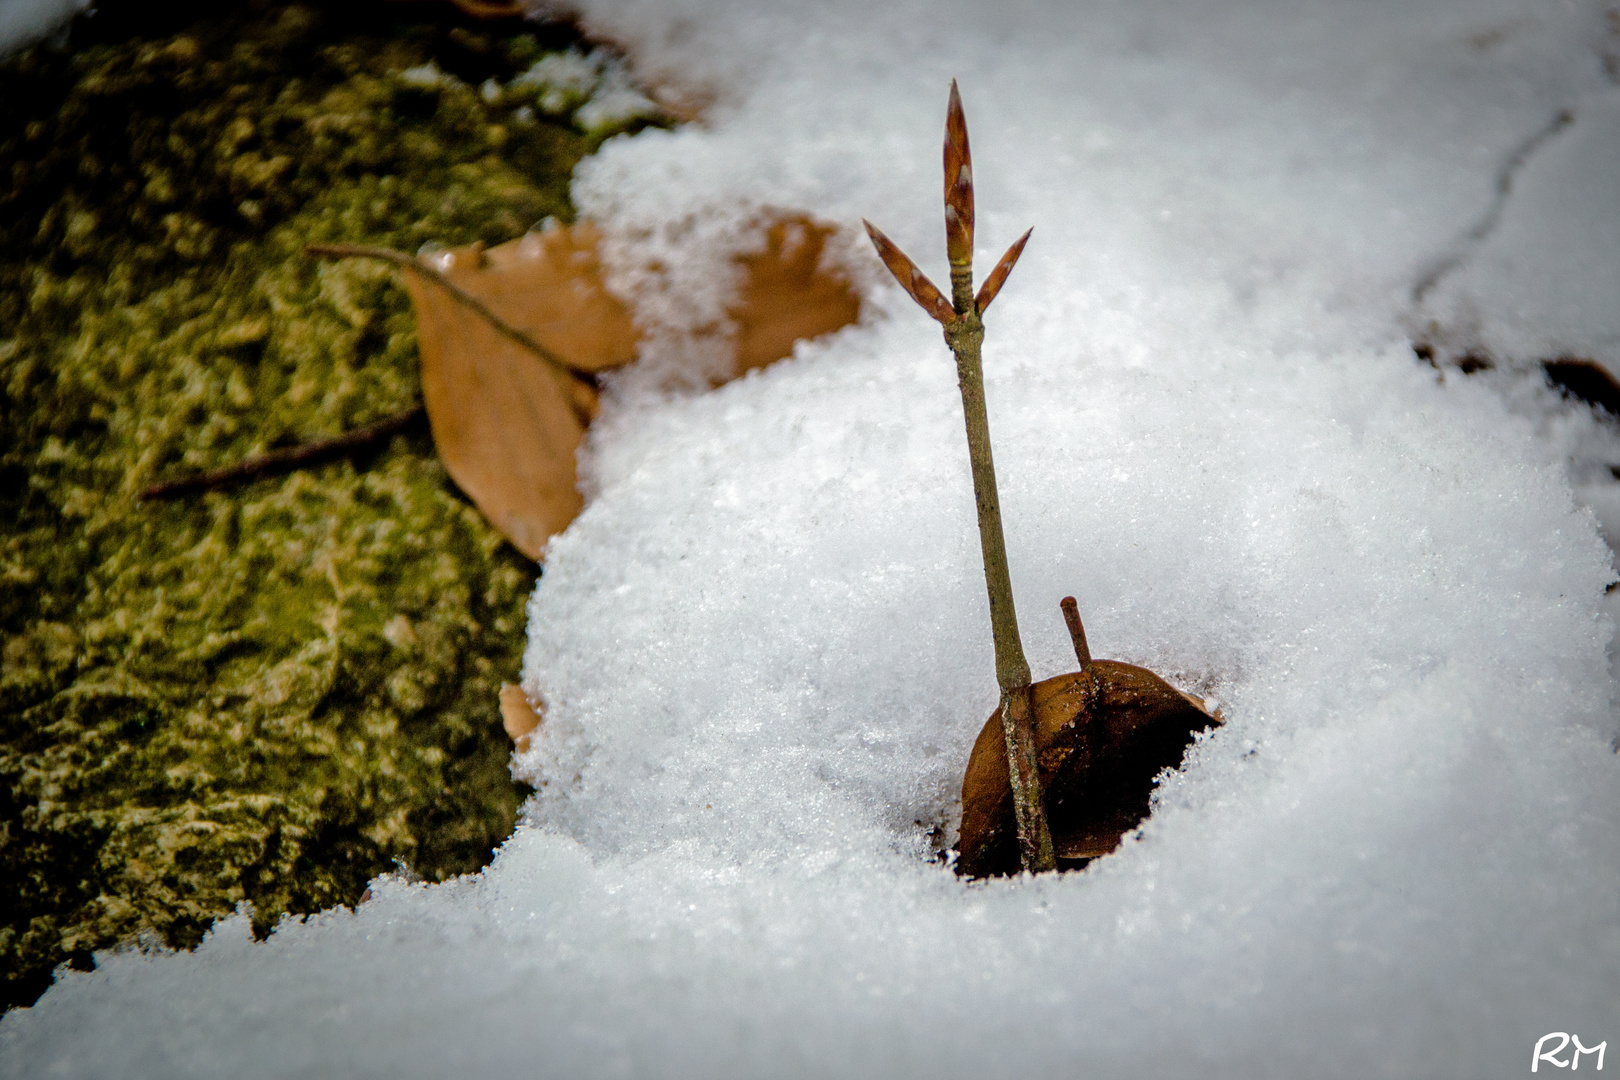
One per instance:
(597, 85)
(1546, 282)
(764, 648)
(23, 22)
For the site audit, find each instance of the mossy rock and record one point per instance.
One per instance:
(271, 693)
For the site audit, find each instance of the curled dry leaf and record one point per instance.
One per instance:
(1101, 737)
(506, 423)
(517, 715)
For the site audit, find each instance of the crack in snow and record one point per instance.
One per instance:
(1480, 231)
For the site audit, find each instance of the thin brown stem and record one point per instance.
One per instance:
(965, 337)
(460, 295)
(295, 457)
(1035, 850)
(1077, 631)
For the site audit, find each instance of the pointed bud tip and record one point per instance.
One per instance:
(956, 135)
(958, 183)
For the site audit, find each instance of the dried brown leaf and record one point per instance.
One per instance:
(790, 295)
(549, 284)
(1101, 737)
(518, 717)
(506, 425)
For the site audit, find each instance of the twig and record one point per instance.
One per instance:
(460, 295)
(964, 333)
(295, 457)
(1077, 631)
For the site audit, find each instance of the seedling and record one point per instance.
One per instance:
(962, 317)
(1094, 740)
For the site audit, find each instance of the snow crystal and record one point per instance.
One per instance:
(764, 652)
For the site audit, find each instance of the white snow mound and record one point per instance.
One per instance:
(764, 647)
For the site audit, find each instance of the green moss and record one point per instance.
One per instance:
(269, 694)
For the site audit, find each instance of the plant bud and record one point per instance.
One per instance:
(958, 184)
(911, 279)
(993, 283)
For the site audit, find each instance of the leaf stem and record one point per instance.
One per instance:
(1077, 631)
(460, 295)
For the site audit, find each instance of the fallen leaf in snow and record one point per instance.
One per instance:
(789, 295)
(1101, 737)
(548, 284)
(508, 424)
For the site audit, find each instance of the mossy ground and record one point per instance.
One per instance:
(272, 693)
